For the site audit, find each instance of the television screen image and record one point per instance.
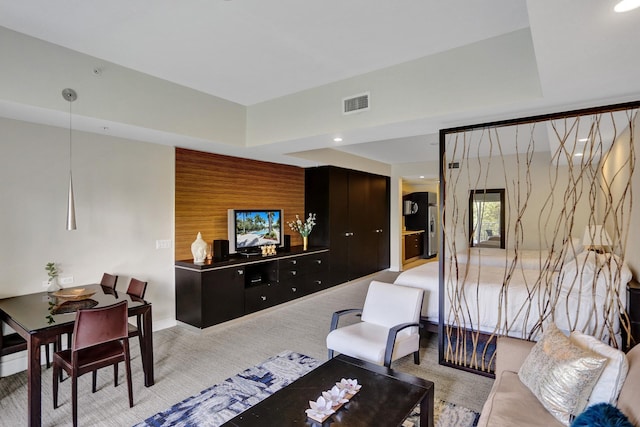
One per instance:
(255, 228)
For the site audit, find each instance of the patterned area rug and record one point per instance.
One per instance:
(218, 404)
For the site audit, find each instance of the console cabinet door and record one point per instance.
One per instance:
(222, 295)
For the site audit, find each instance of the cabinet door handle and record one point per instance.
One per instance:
(294, 262)
(293, 273)
(240, 272)
(348, 234)
(319, 261)
(263, 298)
(294, 289)
(318, 282)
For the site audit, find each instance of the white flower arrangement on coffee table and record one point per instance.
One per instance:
(332, 400)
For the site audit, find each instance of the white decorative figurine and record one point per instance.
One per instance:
(199, 249)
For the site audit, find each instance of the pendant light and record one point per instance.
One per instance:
(70, 95)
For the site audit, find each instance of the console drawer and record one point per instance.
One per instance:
(260, 297)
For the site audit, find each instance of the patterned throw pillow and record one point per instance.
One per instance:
(560, 374)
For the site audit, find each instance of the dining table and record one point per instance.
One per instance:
(43, 317)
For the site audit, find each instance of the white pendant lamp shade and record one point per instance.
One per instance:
(71, 207)
(70, 95)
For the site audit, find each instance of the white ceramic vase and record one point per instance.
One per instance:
(199, 249)
(53, 285)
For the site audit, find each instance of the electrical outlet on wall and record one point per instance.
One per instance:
(163, 244)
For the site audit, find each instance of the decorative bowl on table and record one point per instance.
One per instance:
(77, 294)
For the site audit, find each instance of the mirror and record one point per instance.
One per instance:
(486, 219)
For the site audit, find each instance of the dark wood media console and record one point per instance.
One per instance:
(214, 292)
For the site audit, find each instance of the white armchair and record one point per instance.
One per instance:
(389, 326)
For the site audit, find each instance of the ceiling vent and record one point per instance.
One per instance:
(356, 103)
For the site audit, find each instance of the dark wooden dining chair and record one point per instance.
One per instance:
(14, 343)
(136, 288)
(109, 280)
(100, 339)
(11, 343)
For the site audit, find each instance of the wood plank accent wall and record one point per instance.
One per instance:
(207, 185)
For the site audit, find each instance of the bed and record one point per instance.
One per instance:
(533, 259)
(576, 298)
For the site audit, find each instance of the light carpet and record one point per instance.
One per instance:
(221, 402)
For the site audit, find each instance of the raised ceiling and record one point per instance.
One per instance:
(255, 51)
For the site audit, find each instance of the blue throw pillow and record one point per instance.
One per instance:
(601, 415)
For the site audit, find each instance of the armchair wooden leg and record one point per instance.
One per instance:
(94, 380)
(330, 354)
(416, 357)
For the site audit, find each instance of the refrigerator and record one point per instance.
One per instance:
(420, 210)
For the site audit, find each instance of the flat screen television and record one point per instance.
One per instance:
(249, 229)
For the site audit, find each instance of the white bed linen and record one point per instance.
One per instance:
(532, 259)
(581, 305)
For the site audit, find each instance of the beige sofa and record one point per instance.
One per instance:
(510, 402)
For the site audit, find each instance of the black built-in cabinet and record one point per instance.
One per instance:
(352, 218)
(214, 292)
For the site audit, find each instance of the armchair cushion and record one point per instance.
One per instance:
(388, 328)
(367, 341)
(388, 305)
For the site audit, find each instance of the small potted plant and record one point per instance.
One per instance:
(52, 272)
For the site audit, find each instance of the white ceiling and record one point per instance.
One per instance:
(250, 51)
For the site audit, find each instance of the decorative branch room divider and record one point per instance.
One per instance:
(535, 216)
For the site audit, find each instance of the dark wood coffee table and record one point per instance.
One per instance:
(387, 397)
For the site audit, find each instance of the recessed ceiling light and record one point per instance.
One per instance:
(337, 139)
(578, 155)
(421, 176)
(626, 5)
(583, 139)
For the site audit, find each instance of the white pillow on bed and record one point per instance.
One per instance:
(589, 263)
(615, 370)
(573, 248)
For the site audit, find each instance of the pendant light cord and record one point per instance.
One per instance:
(70, 140)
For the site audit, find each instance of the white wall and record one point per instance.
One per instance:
(124, 194)
(540, 209)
